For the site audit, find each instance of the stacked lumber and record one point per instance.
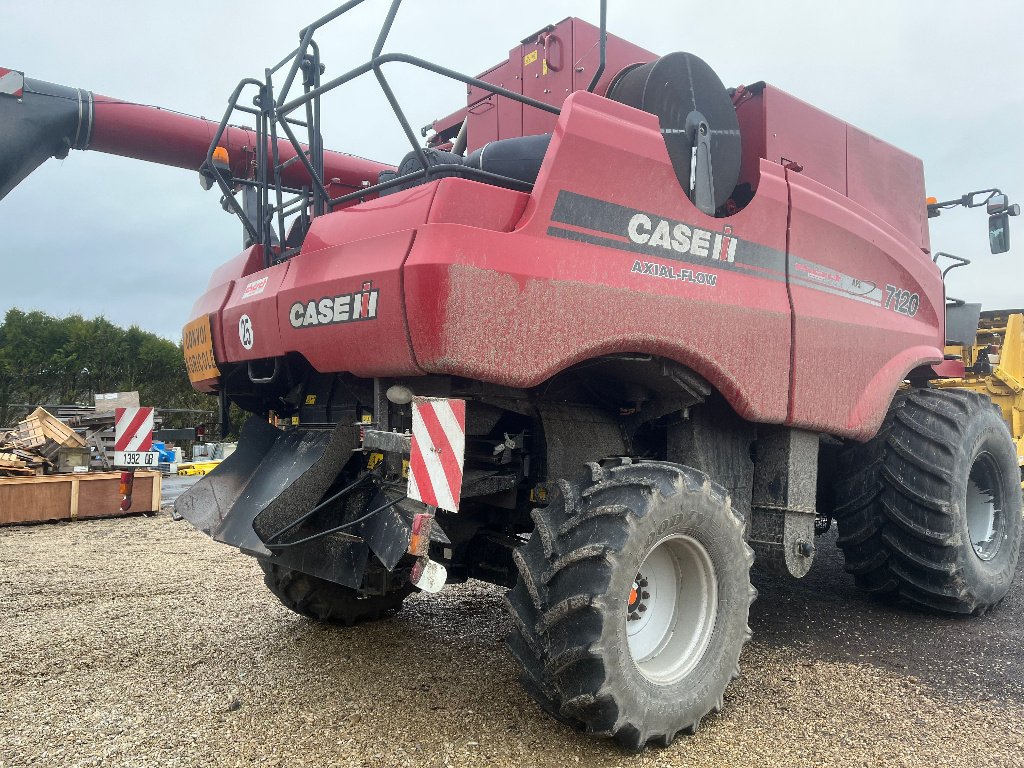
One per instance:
(32, 447)
(11, 464)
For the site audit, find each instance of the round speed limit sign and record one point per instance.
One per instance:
(245, 333)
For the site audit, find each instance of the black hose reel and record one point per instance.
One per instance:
(696, 116)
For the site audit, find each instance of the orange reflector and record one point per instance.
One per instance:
(125, 489)
(220, 155)
(419, 541)
(932, 200)
(632, 596)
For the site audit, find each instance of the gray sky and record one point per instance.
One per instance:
(97, 234)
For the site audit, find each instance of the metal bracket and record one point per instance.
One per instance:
(783, 501)
(703, 194)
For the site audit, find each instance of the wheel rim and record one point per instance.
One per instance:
(671, 609)
(986, 521)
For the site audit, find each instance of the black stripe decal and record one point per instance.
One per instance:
(609, 218)
(604, 218)
(661, 253)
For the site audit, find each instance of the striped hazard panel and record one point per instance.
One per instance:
(12, 82)
(133, 429)
(438, 449)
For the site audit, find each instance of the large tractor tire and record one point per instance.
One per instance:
(326, 601)
(930, 508)
(631, 607)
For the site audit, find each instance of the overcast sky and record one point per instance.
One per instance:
(97, 234)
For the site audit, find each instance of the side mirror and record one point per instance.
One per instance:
(999, 232)
(997, 203)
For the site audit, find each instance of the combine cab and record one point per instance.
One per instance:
(583, 341)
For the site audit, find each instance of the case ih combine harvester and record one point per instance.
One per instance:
(594, 341)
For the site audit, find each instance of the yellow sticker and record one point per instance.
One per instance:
(529, 58)
(295, 420)
(405, 467)
(367, 418)
(310, 399)
(544, 67)
(197, 344)
(374, 460)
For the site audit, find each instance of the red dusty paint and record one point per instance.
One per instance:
(950, 369)
(374, 346)
(494, 285)
(572, 54)
(851, 353)
(517, 308)
(255, 297)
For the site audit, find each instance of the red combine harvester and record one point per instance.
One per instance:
(595, 339)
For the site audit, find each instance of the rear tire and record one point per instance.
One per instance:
(631, 607)
(326, 601)
(930, 508)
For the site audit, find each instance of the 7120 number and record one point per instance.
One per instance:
(899, 300)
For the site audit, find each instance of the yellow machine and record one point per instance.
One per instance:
(995, 366)
(197, 467)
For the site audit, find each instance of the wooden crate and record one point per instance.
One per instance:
(72, 497)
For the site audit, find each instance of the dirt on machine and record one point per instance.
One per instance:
(609, 335)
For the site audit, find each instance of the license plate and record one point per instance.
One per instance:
(136, 459)
(197, 342)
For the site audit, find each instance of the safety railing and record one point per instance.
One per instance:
(267, 207)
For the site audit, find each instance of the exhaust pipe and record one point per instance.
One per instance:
(38, 120)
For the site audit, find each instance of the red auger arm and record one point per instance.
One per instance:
(39, 120)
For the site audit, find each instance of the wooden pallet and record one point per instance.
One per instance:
(74, 497)
(40, 426)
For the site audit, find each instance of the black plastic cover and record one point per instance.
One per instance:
(519, 158)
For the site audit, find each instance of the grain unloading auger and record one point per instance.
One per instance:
(39, 120)
(585, 341)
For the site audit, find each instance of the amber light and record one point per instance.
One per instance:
(125, 489)
(419, 541)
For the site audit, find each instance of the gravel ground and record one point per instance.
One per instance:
(138, 642)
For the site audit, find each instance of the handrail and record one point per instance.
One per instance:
(273, 114)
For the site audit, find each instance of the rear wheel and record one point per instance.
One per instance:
(930, 509)
(632, 601)
(326, 601)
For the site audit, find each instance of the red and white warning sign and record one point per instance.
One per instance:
(438, 450)
(12, 82)
(133, 438)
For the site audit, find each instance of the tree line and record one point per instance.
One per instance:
(47, 360)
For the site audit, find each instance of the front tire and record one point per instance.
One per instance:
(930, 508)
(631, 607)
(325, 601)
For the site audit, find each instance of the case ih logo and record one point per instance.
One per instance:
(255, 288)
(361, 305)
(682, 238)
(600, 222)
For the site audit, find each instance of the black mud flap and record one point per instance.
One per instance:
(278, 475)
